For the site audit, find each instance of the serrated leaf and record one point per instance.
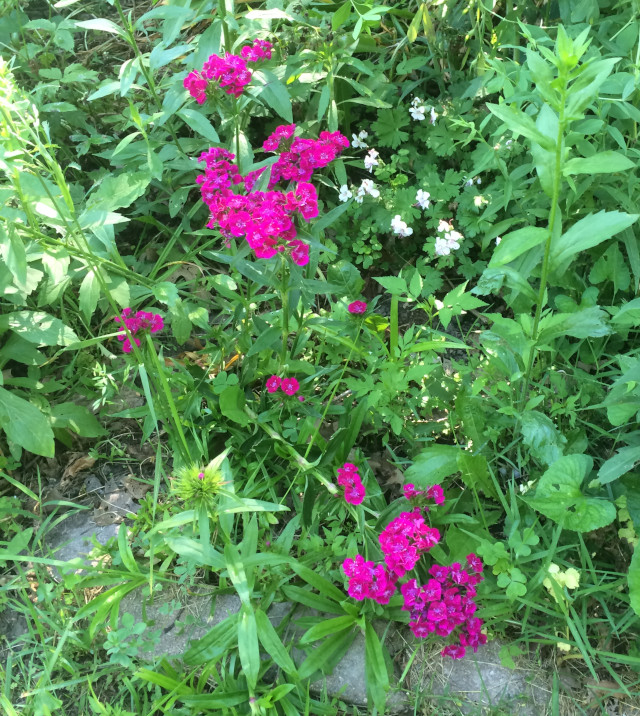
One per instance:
(541, 436)
(432, 465)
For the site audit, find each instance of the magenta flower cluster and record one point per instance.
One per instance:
(301, 157)
(349, 478)
(231, 71)
(289, 386)
(138, 323)
(357, 307)
(446, 603)
(265, 219)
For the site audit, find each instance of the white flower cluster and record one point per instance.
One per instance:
(358, 140)
(449, 242)
(367, 187)
(418, 111)
(371, 160)
(400, 227)
(470, 181)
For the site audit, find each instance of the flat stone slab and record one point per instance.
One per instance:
(71, 538)
(480, 682)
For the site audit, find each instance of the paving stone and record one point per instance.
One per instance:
(479, 681)
(71, 538)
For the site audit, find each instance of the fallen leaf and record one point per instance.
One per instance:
(77, 465)
(136, 488)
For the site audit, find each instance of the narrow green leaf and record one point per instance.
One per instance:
(620, 464)
(248, 647)
(600, 163)
(272, 643)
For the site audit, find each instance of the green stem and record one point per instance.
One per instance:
(553, 214)
(393, 327)
(162, 379)
(285, 311)
(333, 393)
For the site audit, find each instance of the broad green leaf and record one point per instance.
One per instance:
(474, 471)
(273, 93)
(515, 243)
(272, 643)
(89, 294)
(267, 339)
(248, 647)
(341, 15)
(199, 123)
(588, 232)
(586, 323)
(395, 285)
(628, 314)
(38, 328)
(232, 401)
(521, 123)
(560, 498)
(620, 464)
(541, 436)
(118, 191)
(347, 277)
(432, 465)
(76, 418)
(14, 254)
(600, 163)
(103, 25)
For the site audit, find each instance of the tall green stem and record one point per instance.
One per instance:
(285, 310)
(553, 214)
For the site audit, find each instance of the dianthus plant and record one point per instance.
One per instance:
(445, 605)
(267, 220)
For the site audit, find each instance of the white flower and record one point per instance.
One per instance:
(400, 227)
(444, 226)
(478, 181)
(368, 187)
(442, 247)
(358, 140)
(360, 194)
(370, 160)
(453, 239)
(417, 113)
(345, 194)
(508, 143)
(422, 199)
(433, 114)
(468, 182)
(498, 240)
(416, 102)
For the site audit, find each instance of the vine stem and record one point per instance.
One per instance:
(553, 214)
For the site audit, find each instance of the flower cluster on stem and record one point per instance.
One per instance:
(266, 219)
(137, 324)
(349, 478)
(446, 604)
(231, 72)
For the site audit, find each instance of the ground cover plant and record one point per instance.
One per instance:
(349, 292)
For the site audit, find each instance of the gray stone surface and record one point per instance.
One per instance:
(71, 538)
(479, 681)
